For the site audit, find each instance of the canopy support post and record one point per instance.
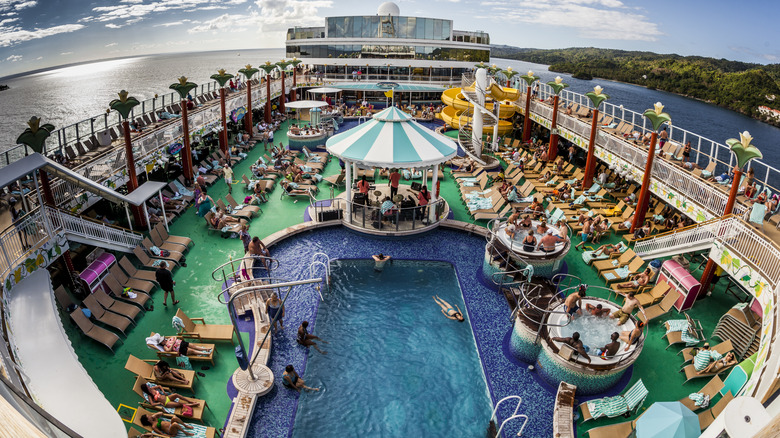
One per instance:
(348, 178)
(434, 197)
(162, 206)
(146, 213)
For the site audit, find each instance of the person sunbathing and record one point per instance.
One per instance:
(448, 310)
(173, 344)
(637, 280)
(607, 250)
(293, 191)
(726, 361)
(158, 397)
(164, 426)
(163, 371)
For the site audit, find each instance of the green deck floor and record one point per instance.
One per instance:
(197, 291)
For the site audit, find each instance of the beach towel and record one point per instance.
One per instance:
(608, 406)
(177, 324)
(700, 400)
(757, 213)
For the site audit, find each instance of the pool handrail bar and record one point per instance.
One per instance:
(511, 417)
(241, 261)
(325, 264)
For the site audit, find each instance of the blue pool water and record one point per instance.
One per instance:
(395, 365)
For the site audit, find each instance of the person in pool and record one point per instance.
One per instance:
(448, 310)
(292, 380)
(597, 310)
(307, 340)
(575, 343)
(610, 349)
(631, 337)
(165, 426)
(379, 261)
(573, 303)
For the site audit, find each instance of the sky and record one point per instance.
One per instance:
(38, 34)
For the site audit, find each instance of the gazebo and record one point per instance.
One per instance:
(391, 139)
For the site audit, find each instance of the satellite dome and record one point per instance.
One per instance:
(388, 8)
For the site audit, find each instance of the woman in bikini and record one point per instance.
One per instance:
(158, 397)
(163, 371)
(292, 380)
(165, 426)
(448, 310)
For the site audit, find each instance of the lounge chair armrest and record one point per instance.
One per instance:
(202, 321)
(189, 335)
(150, 360)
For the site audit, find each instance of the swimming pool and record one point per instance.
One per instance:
(395, 365)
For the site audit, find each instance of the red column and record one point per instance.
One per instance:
(552, 153)
(186, 158)
(709, 270)
(293, 91)
(48, 196)
(132, 179)
(70, 267)
(281, 98)
(223, 134)
(527, 121)
(590, 165)
(248, 117)
(644, 190)
(268, 99)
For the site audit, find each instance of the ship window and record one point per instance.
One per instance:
(437, 30)
(357, 27)
(428, 29)
(445, 29)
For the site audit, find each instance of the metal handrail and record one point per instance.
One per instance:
(241, 260)
(511, 417)
(400, 216)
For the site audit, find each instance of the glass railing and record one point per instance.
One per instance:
(369, 215)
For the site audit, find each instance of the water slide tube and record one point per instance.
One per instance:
(456, 104)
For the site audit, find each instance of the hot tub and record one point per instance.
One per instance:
(546, 264)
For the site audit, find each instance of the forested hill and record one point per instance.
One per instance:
(739, 86)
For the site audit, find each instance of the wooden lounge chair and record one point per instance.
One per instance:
(694, 329)
(208, 432)
(615, 262)
(197, 411)
(655, 294)
(103, 316)
(710, 389)
(165, 244)
(235, 228)
(707, 417)
(240, 214)
(661, 308)
(151, 262)
(117, 290)
(171, 247)
(119, 307)
(145, 368)
(722, 348)
(172, 254)
(203, 331)
(138, 274)
(99, 334)
(624, 429)
(691, 373)
(335, 180)
(163, 232)
(634, 267)
(62, 297)
(254, 209)
(633, 399)
(193, 358)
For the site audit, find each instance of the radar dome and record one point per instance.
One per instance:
(388, 8)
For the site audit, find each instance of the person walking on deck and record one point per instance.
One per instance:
(165, 278)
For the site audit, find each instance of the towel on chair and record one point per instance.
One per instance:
(757, 213)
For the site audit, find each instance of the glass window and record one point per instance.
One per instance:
(428, 29)
(357, 27)
(400, 29)
(446, 29)
(420, 29)
(437, 30)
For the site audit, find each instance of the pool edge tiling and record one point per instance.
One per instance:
(487, 311)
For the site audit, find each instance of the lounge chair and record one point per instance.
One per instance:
(707, 417)
(589, 258)
(145, 368)
(615, 261)
(119, 307)
(244, 207)
(710, 390)
(168, 254)
(99, 334)
(624, 429)
(62, 297)
(204, 431)
(235, 228)
(203, 331)
(117, 290)
(621, 274)
(137, 284)
(694, 330)
(111, 319)
(655, 294)
(239, 214)
(163, 232)
(614, 406)
(151, 262)
(193, 358)
(175, 250)
(691, 373)
(661, 308)
(197, 411)
(164, 244)
(722, 348)
(140, 274)
(335, 180)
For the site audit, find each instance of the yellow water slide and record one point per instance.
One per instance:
(456, 104)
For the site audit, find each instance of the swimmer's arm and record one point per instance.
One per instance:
(445, 314)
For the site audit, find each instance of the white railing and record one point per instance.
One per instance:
(93, 230)
(694, 238)
(22, 236)
(751, 246)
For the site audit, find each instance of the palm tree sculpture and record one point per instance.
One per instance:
(282, 67)
(248, 72)
(222, 78)
(657, 117)
(597, 96)
(509, 74)
(529, 79)
(124, 105)
(183, 87)
(35, 137)
(557, 86)
(294, 62)
(268, 68)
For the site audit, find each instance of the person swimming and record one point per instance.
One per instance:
(379, 261)
(448, 310)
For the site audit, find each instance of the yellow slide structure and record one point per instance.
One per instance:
(456, 104)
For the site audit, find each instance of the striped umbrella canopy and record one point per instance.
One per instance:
(392, 138)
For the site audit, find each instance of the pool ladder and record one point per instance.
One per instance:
(320, 259)
(514, 415)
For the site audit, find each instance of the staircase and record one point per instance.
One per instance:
(91, 232)
(698, 237)
(466, 140)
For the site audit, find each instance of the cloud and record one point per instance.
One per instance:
(27, 4)
(114, 26)
(14, 58)
(66, 53)
(9, 7)
(768, 57)
(39, 58)
(112, 44)
(10, 35)
(599, 19)
(172, 23)
(273, 15)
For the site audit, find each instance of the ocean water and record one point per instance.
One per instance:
(395, 365)
(67, 95)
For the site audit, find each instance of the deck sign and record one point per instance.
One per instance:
(175, 148)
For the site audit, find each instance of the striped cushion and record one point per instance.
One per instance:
(703, 358)
(608, 406)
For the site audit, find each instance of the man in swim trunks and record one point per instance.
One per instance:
(548, 242)
(597, 310)
(610, 349)
(637, 280)
(629, 305)
(306, 339)
(573, 302)
(575, 343)
(632, 337)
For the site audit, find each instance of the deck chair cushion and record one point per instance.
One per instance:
(608, 406)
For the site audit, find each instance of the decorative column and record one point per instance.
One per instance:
(657, 118)
(35, 137)
(268, 68)
(282, 67)
(248, 72)
(222, 78)
(557, 85)
(294, 91)
(596, 97)
(509, 74)
(744, 152)
(123, 106)
(183, 88)
(529, 79)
